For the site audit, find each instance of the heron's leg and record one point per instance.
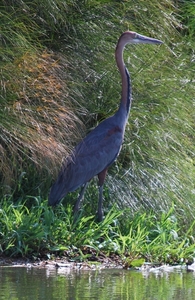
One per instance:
(77, 204)
(100, 202)
(101, 177)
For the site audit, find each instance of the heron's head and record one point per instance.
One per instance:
(136, 38)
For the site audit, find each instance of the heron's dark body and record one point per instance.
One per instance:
(94, 154)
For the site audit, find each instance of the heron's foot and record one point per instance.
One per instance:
(76, 208)
(99, 216)
(76, 212)
(100, 209)
(79, 200)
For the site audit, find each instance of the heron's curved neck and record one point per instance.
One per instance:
(125, 77)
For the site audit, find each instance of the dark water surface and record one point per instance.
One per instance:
(19, 283)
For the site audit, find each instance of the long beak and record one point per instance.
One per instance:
(146, 40)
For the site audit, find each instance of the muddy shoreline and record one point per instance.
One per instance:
(106, 263)
(61, 263)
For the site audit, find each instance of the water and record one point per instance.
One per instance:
(19, 283)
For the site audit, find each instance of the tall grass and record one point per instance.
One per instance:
(38, 122)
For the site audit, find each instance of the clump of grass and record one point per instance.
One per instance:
(187, 12)
(37, 119)
(38, 122)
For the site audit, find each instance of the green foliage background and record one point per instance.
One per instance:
(59, 79)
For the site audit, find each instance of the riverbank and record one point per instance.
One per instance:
(99, 264)
(63, 262)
